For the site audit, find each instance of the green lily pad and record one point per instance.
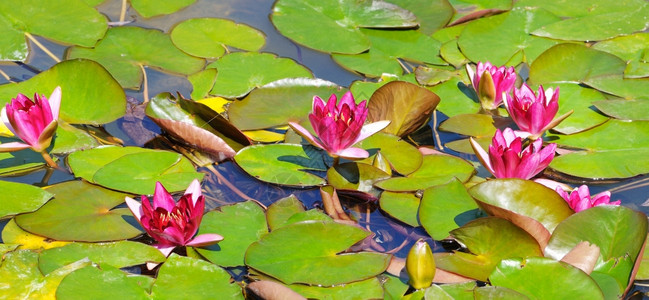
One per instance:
(456, 98)
(198, 37)
(240, 72)
(513, 196)
(106, 282)
(431, 15)
(407, 106)
(237, 235)
(185, 277)
(80, 212)
(355, 176)
(133, 170)
(394, 287)
(389, 46)
(282, 210)
(475, 125)
(403, 157)
(628, 47)
(280, 102)
(497, 292)
(624, 163)
(499, 38)
(122, 52)
(117, 254)
(579, 99)
(365, 289)
(430, 76)
(70, 139)
(20, 198)
(334, 26)
(20, 162)
(530, 277)
(434, 170)
(37, 17)
(612, 135)
(467, 8)
(202, 83)
(401, 206)
(450, 52)
(306, 252)
(95, 99)
(489, 241)
(445, 207)
(285, 164)
(624, 237)
(152, 8)
(622, 19)
(21, 279)
(637, 110)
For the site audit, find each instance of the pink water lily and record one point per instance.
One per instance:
(534, 113)
(490, 82)
(507, 159)
(339, 126)
(34, 122)
(173, 224)
(579, 199)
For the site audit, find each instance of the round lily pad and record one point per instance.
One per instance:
(434, 170)
(152, 8)
(20, 198)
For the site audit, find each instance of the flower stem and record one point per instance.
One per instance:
(145, 85)
(336, 160)
(49, 160)
(47, 51)
(122, 13)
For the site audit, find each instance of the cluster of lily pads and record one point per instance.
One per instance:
(375, 146)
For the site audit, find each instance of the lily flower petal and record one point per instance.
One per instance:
(13, 146)
(353, 153)
(205, 239)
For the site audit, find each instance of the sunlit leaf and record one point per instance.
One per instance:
(312, 258)
(240, 72)
(334, 26)
(366, 289)
(281, 210)
(435, 170)
(20, 198)
(152, 8)
(625, 109)
(466, 9)
(106, 282)
(209, 37)
(12, 234)
(80, 212)
(403, 157)
(237, 235)
(401, 206)
(355, 176)
(122, 52)
(446, 207)
(431, 15)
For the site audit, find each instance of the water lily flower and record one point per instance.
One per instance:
(579, 199)
(534, 113)
(34, 122)
(490, 82)
(173, 224)
(339, 126)
(507, 159)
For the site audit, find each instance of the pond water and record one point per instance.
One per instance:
(226, 183)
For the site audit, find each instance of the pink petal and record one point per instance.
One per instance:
(135, 207)
(195, 189)
(13, 146)
(482, 155)
(165, 249)
(205, 240)
(305, 134)
(55, 102)
(5, 120)
(162, 198)
(370, 129)
(353, 153)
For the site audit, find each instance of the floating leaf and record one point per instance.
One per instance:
(623, 163)
(122, 53)
(580, 100)
(202, 37)
(445, 207)
(106, 282)
(80, 212)
(282, 210)
(518, 200)
(202, 83)
(240, 72)
(365, 289)
(283, 163)
(467, 9)
(70, 139)
(628, 47)
(456, 98)
(38, 17)
(312, 258)
(530, 278)
(334, 26)
(431, 16)
(403, 157)
(489, 241)
(499, 38)
(117, 254)
(237, 235)
(355, 176)
(622, 236)
(434, 170)
(20, 277)
(277, 103)
(401, 206)
(152, 8)
(625, 109)
(134, 170)
(12, 234)
(95, 99)
(20, 198)
(406, 105)
(186, 277)
(475, 125)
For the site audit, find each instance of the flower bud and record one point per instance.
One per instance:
(420, 265)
